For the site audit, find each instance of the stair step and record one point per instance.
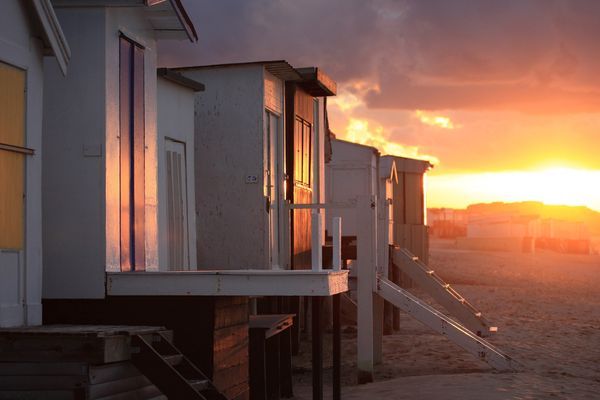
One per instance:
(173, 359)
(199, 384)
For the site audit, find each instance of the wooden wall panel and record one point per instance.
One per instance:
(414, 198)
(12, 165)
(304, 105)
(230, 347)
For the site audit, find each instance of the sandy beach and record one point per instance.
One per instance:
(546, 306)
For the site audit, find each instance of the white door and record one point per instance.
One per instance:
(273, 179)
(13, 155)
(177, 206)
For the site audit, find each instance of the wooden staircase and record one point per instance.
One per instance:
(167, 368)
(442, 292)
(444, 325)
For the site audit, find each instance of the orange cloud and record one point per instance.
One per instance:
(438, 121)
(358, 131)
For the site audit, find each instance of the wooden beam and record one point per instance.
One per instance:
(317, 349)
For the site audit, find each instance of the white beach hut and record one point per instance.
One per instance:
(29, 30)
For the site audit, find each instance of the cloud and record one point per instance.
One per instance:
(535, 56)
(359, 131)
(438, 121)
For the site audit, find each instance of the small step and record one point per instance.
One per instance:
(199, 384)
(173, 359)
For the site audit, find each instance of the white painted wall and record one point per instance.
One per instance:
(352, 172)
(175, 120)
(21, 272)
(81, 161)
(232, 221)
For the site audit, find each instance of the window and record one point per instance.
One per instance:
(302, 152)
(12, 156)
(132, 192)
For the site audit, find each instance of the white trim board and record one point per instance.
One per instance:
(227, 283)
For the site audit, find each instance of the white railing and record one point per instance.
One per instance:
(317, 233)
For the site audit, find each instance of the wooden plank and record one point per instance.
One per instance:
(76, 394)
(112, 372)
(12, 191)
(12, 105)
(41, 369)
(228, 377)
(148, 392)
(232, 356)
(124, 385)
(317, 348)
(228, 337)
(125, 143)
(42, 382)
(138, 160)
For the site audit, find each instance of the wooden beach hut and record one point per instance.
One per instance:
(120, 199)
(29, 30)
(378, 198)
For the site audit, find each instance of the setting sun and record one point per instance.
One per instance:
(557, 185)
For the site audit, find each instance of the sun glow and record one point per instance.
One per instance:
(557, 185)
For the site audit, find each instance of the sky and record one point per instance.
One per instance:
(502, 96)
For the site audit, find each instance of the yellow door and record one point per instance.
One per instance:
(12, 156)
(12, 180)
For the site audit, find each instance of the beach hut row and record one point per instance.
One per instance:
(172, 231)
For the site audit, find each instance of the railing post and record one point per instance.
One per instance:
(366, 264)
(316, 249)
(337, 243)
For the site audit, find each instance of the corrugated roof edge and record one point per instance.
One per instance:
(176, 77)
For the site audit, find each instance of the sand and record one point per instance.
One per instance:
(547, 309)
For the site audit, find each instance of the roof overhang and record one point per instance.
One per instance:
(387, 169)
(55, 42)
(412, 165)
(176, 77)
(228, 283)
(279, 68)
(316, 82)
(168, 18)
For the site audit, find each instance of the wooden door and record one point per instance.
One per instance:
(177, 206)
(12, 193)
(132, 149)
(273, 185)
(299, 169)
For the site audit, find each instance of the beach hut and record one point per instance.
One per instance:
(409, 205)
(28, 32)
(176, 183)
(260, 146)
(260, 152)
(382, 203)
(121, 194)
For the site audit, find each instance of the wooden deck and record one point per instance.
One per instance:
(72, 362)
(228, 283)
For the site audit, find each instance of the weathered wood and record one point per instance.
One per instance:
(317, 349)
(337, 348)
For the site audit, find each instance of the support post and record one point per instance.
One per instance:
(337, 348)
(366, 264)
(317, 349)
(337, 243)
(317, 242)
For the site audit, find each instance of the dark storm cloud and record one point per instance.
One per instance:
(528, 55)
